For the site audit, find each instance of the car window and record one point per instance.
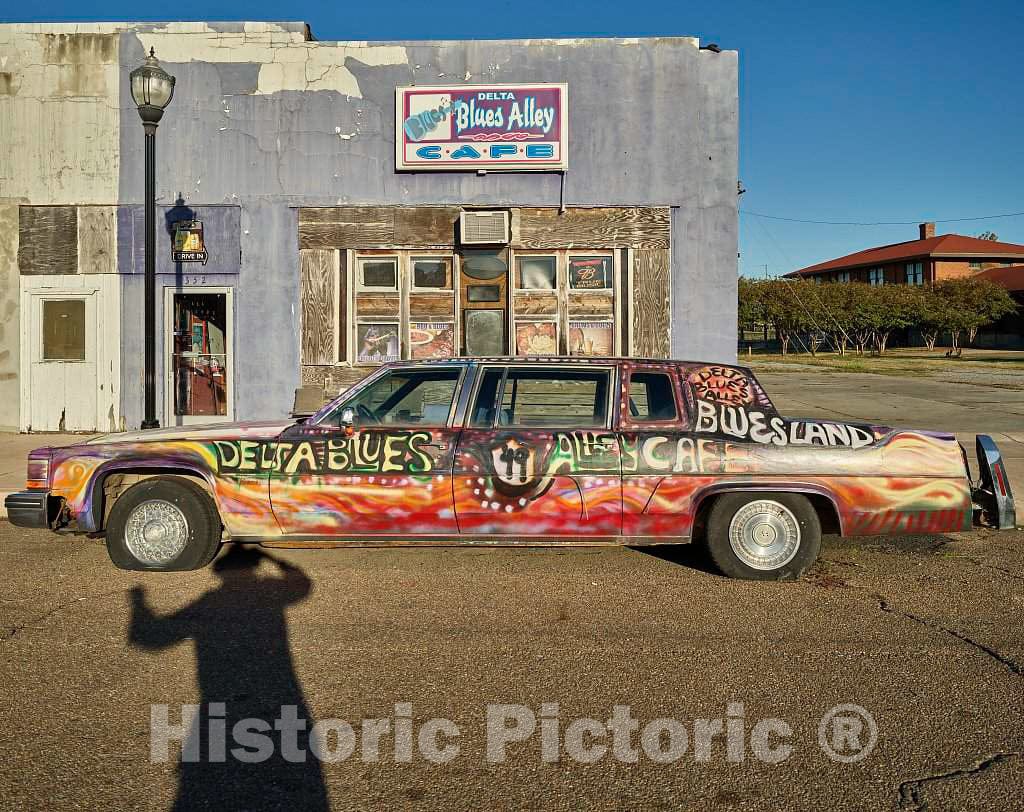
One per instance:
(485, 405)
(550, 398)
(651, 397)
(406, 398)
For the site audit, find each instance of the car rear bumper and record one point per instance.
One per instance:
(993, 494)
(29, 508)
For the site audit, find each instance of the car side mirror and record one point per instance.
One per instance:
(348, 419)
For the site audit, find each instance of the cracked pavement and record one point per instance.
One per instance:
(923, 632)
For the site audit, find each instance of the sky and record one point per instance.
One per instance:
(850, 112)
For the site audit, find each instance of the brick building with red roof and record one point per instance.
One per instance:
(929, 258)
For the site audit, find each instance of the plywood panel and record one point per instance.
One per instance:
(591, 304)
(651, 303)
(377, 305)
(530, 304)
(48, 240)
(317, 298)
(347, 227)
(432, 304)
(646, 227)
(424, 226)
(97, 239)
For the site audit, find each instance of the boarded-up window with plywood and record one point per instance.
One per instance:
(317, 269)
(650, 286)
(48, 239)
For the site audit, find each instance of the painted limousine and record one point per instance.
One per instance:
(531, 451)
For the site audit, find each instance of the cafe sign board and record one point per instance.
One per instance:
(472, 127)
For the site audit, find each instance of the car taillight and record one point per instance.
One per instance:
(38, 472)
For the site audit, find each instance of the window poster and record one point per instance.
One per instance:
(377, 343)
(590, 273)
(536, 338)
(432, 339)
(591, 338)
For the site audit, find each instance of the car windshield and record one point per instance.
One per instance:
(403, 398)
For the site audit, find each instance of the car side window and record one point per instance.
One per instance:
(405, 398)
(554, 398)
(652, 397)
(486, 403)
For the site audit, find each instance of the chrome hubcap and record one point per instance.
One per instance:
(156, 532)
(764, 535)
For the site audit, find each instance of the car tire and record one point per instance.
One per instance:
(763, 536)
(166, 523)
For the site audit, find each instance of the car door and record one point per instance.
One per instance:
(537, 457)
(389, 474)
(659, 456)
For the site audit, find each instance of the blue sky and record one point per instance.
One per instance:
(849, 111)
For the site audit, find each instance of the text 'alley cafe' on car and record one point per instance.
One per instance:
(325, 207)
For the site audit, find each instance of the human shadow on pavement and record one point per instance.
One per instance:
(243, 661)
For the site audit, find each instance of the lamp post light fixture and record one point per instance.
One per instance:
(152, 89)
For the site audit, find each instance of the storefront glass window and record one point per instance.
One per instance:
(379, 273)
(431, 273)
(536, 273)
(199, 362)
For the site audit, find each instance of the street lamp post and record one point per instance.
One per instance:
(152, 89)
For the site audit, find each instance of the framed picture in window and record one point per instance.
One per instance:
(432, 339)
(377, 342)
(377, 273)
(590, 272)
(536, 272)
(536, 337)
(591, 338)
(431, 273)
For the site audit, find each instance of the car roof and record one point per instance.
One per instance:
(560, 359)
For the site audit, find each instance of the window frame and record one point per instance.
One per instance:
(876, 276)
(611, 370)
(606, 253)
(680, 418)
(521, 255)
(361, 258)
(426, 256)
(915, 277)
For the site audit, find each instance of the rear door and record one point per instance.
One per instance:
(659, 456)
(537, 456)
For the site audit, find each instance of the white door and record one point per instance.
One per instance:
(62, 365)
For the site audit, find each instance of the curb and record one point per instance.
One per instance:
(3, 509)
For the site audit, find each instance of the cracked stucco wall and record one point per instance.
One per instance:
(265, 119)
(59, 122)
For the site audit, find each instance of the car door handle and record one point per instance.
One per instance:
(438, 446)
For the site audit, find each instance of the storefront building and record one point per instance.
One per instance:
(324, 207)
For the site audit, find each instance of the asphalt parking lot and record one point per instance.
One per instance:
(923, 633)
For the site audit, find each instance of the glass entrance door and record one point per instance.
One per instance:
(200, 363)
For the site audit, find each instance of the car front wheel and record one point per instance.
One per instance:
(763, 536)
(163, 523)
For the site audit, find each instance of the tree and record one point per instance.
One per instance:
(971, 303)
(934, 316)
(783, 307)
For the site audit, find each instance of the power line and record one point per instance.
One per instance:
(880, 222)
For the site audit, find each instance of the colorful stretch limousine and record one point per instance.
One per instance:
(519, 451)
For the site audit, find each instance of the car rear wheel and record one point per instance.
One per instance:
(763, 536)
(163, 523)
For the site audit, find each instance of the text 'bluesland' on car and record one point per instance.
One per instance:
(519, 451)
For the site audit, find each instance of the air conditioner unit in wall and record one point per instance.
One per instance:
(484, 228)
